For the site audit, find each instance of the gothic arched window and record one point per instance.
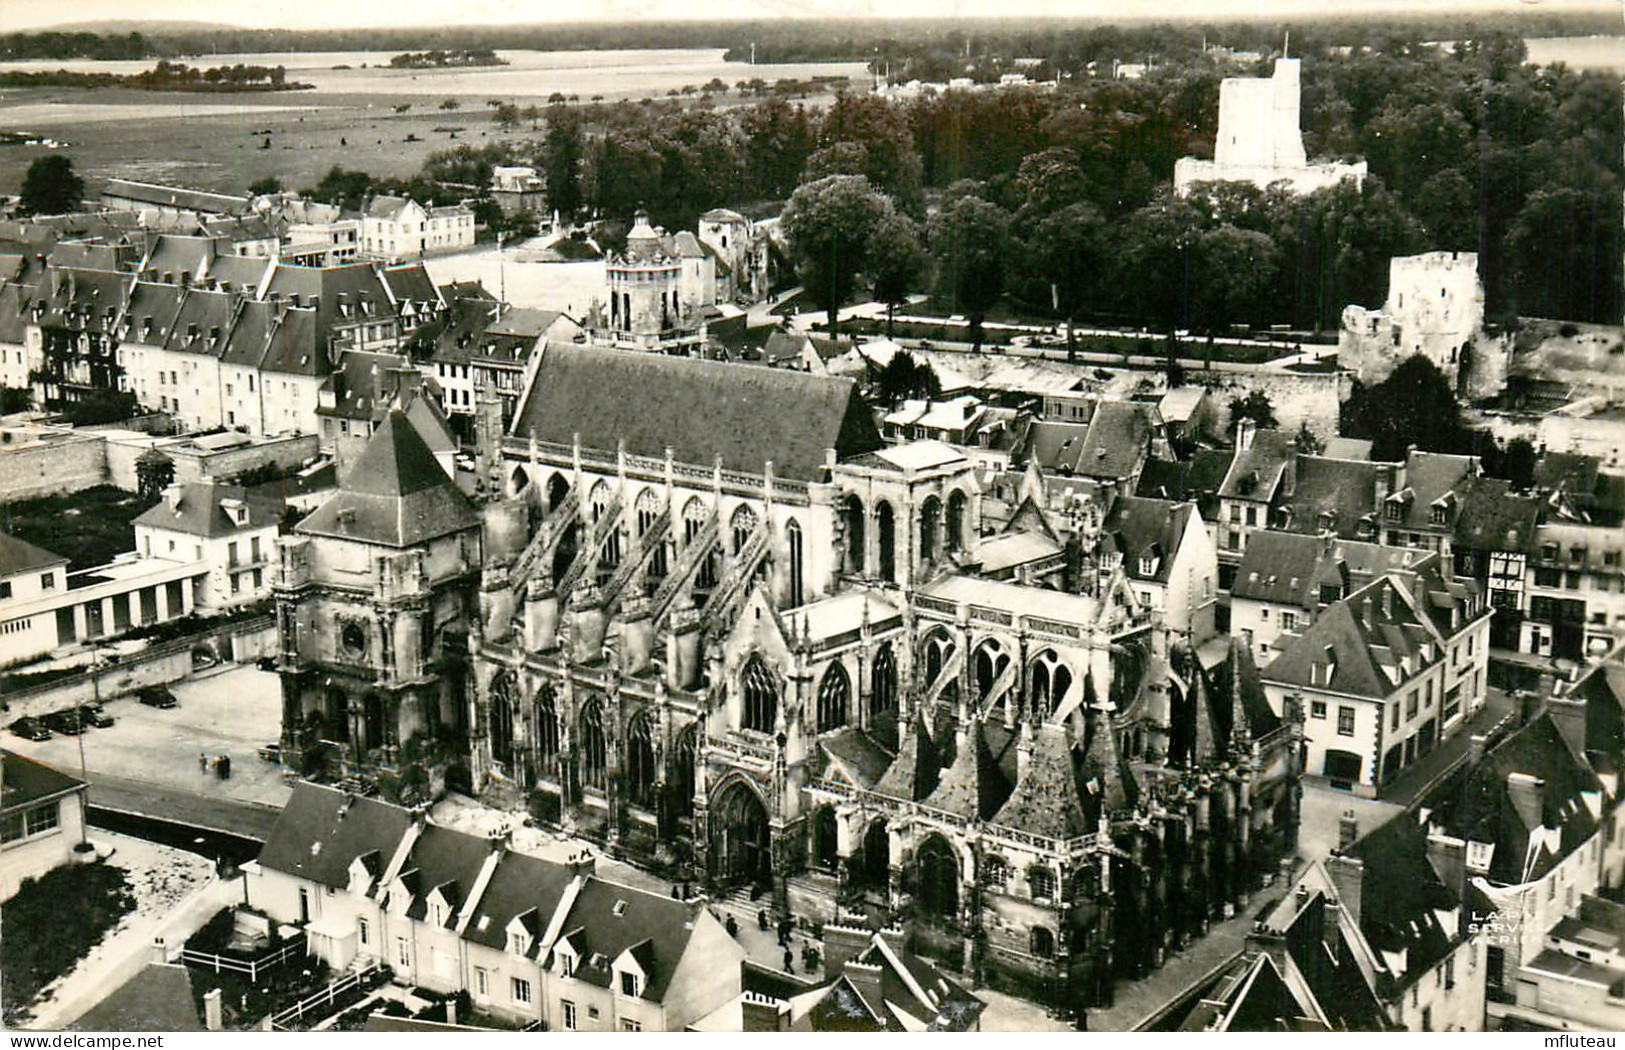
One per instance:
(594, 767)
(760, 695)
(833, 693)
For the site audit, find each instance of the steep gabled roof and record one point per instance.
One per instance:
(1046, 801)
(200, 513)
(396, 495)
(1119, 439)
(1256, 471)
(609, 919)
(321, 831)
(1142, 528)
(702, 410)
(973, 787)
(1402, 912)
(913, 774)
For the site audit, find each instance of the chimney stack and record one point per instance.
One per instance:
(763, 1013)
(841, 945)
(1528, 796)
(1348, 875)
(1448, 855)
(583, 865)
(1348, 829)
(1476, 745)
(1569, 715)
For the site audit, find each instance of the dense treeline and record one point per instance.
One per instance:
(439, 59)
(933, 45)
(165, 76)
(1469, 150)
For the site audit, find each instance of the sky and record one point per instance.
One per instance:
(323, 14)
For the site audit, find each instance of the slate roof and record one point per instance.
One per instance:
(150, 316)
(700, 409)
(175, 197)
(365, 384)
(973, 787)
(84, 300)
(156, 998)
(914, 772)
(858, 753)
(21, 556)
(521, 884)
(1479, 806)
(606, 919)
(1400, 913)
(1332, 495)
(396, 495)
(1493, 518)
(1046, 801)
(1139, 527)
(329, 289)
(444, 860)
(1431, 476)
(321, 831)
(200, 512)
(1119, 439)
(27, 781)
(1197, 479)
(1256, 472)
(203, 323)
(410, 282)
(1364, 638)
(293, 345)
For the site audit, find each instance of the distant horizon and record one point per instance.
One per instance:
(397, 15)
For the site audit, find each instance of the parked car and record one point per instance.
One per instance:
(271, 752)
(96, 716)
(66, 722)
(156, 696)
(30, 728)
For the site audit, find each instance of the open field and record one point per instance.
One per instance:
(219, 142)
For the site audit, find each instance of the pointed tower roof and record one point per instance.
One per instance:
(1046, 801)
(974, 787)
(1102, 763)
(396, 495)
(912, 775)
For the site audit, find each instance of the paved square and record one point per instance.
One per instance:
(231, 710)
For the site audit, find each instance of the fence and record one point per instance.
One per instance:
(323, 999)
(251, 968)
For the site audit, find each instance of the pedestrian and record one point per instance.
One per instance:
(674, 894)
(202, 762)
(761, 920)
(789, 962)
(731, 926)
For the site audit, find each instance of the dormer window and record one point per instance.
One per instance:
(630, 986)
(1148, 564)
(1437, 516)
(1396, 510)
(567, 964)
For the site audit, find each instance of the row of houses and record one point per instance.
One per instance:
(553, 944)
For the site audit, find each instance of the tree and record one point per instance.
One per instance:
(561, 162)
(1414, 407)
(903, 377)
(971, 239)
(51, 186)
(1514, 461)
(1257, 407)
(1306, 442)
(269, 184)
(827, 224)
(154, 472)
(507, 116)
(896, 261)
(1235, 269)
(450, 104)
(1065, 252)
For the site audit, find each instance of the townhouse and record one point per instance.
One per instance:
(531, 940)
(1168, 558)
(396, 229)
(1286, 579)
(1383, 675)
(222, 525)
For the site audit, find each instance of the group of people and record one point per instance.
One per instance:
(220, 765)
(786, 927)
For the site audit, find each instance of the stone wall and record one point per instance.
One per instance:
(195, 464)
(157, 665)
(59, 465)
(1312, 398)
